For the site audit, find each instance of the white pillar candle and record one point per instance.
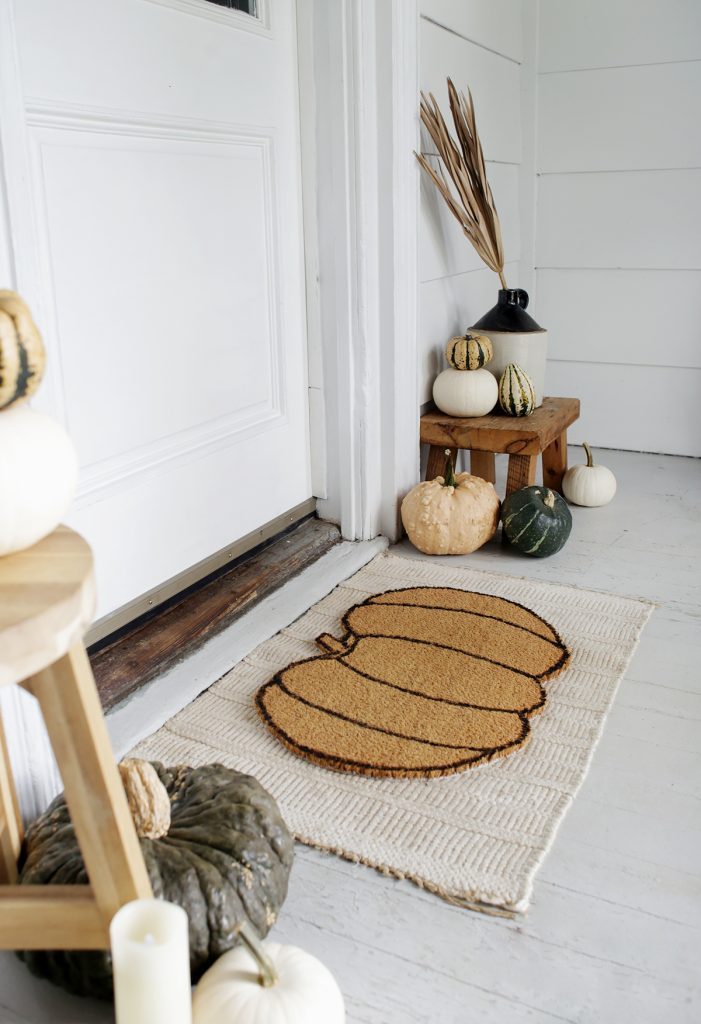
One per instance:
(151, 963)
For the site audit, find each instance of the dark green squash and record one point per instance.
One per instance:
(226, 858)
(536, 521)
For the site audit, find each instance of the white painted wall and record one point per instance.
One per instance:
(618, 227)
(481, 44)
(590, 115)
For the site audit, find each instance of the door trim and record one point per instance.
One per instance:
(365, 59)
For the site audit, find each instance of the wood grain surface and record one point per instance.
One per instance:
(140, 653)
(513, 435)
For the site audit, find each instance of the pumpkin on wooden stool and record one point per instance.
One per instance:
(451, 515)
(214, 843)
(22, 356)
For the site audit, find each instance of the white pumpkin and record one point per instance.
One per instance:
(38, 475)
(301, 991)
(589, 485)
(465, 392)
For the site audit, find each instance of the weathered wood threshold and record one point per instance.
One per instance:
(142, 650)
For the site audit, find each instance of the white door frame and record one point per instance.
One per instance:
(359, 131)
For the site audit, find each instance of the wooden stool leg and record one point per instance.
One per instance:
(436, 461)
(555, 462)
(96, 800)
(522, 470)
(10, 819)
(482, 464)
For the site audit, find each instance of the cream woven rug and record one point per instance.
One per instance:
(476, 838)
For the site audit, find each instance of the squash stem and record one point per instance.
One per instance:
(449, 472)
(267, 975)
(590, 457)
(549, 499)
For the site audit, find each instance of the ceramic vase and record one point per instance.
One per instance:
(516, 338)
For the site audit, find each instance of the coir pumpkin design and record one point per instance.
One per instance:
(426, 681)
(220, 850)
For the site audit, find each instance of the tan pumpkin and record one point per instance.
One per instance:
(22, 355)
(451, 515)
(469, 351)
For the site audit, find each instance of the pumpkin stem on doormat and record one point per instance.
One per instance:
(449, 472)
(267, 975)
(590, 457)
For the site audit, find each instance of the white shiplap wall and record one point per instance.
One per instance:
(618, 226)
(480, 44)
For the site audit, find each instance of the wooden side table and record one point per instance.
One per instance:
(46, 604)
(522, 438)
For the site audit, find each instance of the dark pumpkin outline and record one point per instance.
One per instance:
(336, 763)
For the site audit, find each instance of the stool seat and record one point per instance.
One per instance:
(522, 438)
(47, 601)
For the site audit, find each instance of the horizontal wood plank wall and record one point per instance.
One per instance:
(479, 44)
(618, 230)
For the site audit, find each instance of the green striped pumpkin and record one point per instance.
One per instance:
(469, 351)
(21, 351)
(516, 391)
(536, 521)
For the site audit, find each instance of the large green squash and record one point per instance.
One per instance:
(536, 521)
(225, 858)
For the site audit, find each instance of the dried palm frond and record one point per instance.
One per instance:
(472, 203)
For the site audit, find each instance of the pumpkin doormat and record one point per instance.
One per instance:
(475, 837)
(425, 681)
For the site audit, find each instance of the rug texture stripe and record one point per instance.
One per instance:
(475, 838)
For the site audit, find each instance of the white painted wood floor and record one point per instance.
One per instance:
(614, 932)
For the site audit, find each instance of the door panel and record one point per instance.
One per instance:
(165, 178)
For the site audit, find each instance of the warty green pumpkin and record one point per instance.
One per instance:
(516, 391)
(536, 521)
(225, 859)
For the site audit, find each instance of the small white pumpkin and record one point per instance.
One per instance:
(465, 392)
(452, 515)
(589, 485)
(267, 982)
(516, 391)
(38, 475)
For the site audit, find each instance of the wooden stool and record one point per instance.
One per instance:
(522, 438)
(46, 603)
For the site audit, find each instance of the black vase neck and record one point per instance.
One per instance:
(509, 314)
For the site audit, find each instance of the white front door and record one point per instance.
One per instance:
(163, 257)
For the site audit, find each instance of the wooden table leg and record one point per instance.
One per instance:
(482, 464)
(93, 788)
(436, 461)
(10, 819)
(522, 470)
(555, 462)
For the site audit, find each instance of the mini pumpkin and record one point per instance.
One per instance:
(22, 356)
(516, 391)
(286, 986)
(38, 476)
(469, 351)
(536, 521)
(451, 515)
(589, 485)
(225, 858)
(465, 393)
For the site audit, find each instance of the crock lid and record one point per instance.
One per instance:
(509, 315)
